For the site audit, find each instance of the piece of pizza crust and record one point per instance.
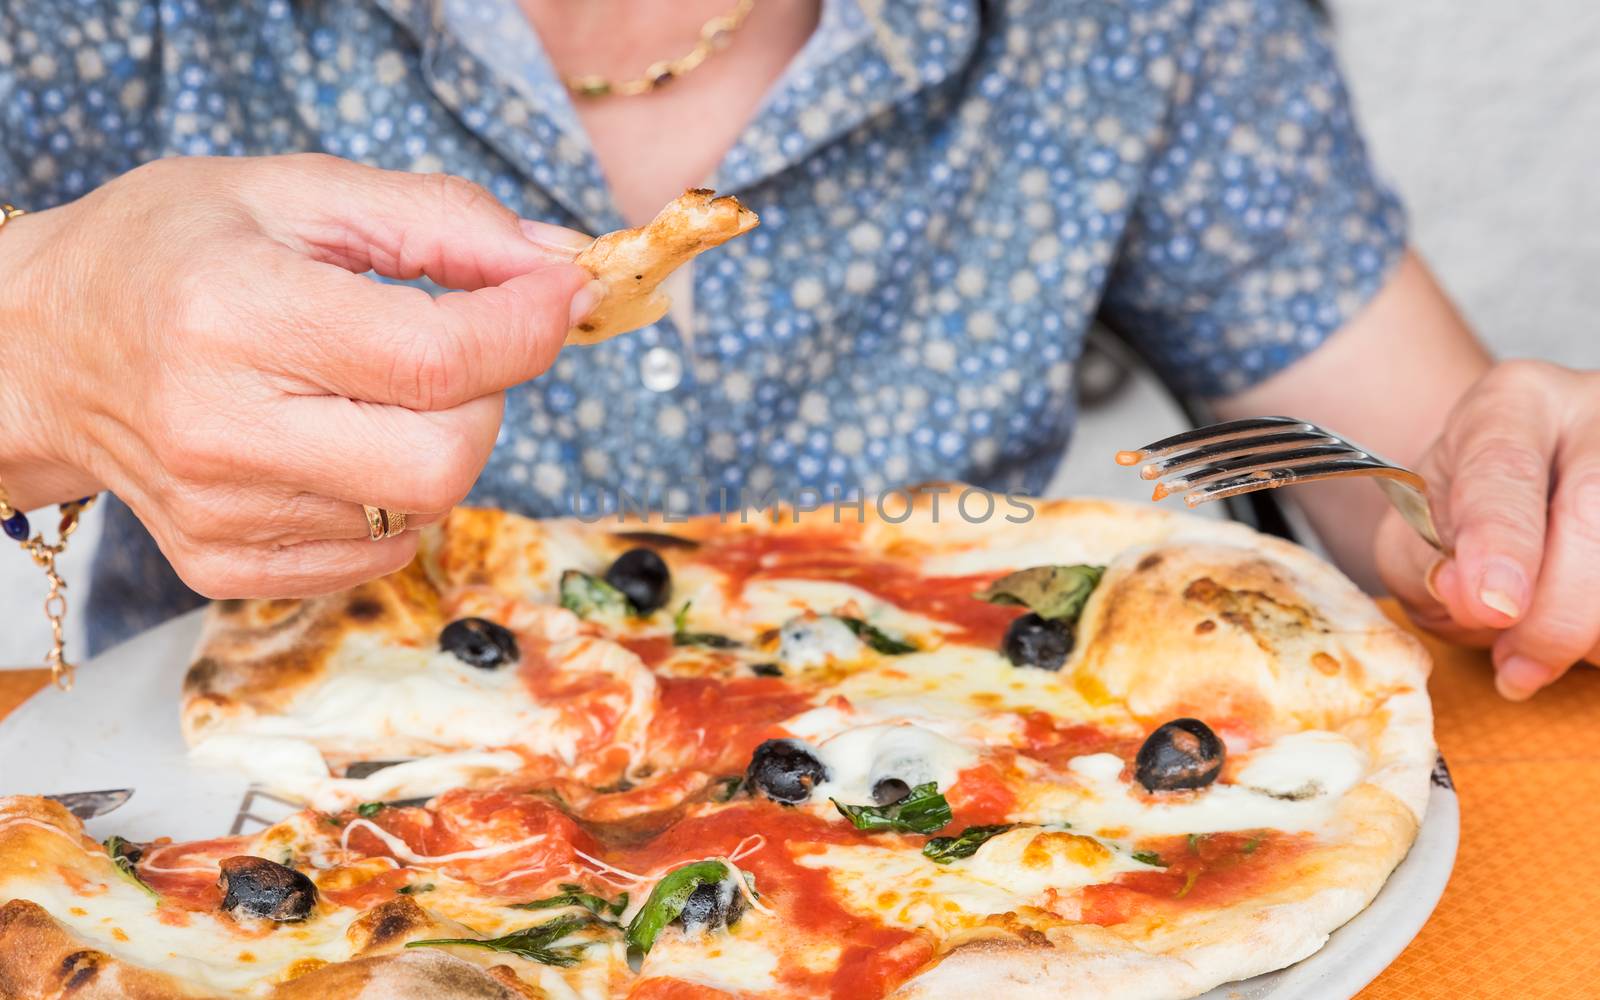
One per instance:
(632, 263)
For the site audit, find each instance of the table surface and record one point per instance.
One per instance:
(1518, 916)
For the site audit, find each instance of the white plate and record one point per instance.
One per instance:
(119, 729)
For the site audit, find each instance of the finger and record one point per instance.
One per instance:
(248, 518)
(401, 225)
(1410, 568)
(350, 336)
(363, 453)
(309, 569)
(1504, 450)
(1563, 624)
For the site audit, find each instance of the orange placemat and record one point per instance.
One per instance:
(1518, 918)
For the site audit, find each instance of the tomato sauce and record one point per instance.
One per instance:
(980, 797)
(1206, 870)
(654, 650)
(669, 988)
(463, 820)
(875, 958)
(186, 875)
(338, 888)
(1048, 739)
(721, 722)
(831, 555)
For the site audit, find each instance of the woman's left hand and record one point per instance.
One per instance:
(1515, 483)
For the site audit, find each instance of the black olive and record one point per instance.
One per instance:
(1183, 753)
(480, 643)
(256, 887)
(785, 771)
(643, 577)
(766, 670)
(888, 791)
(712, 905)
(1032, 641)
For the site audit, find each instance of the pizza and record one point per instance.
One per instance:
(1071, 749)
(631, 264)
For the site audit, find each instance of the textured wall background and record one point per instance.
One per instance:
(1486, 116)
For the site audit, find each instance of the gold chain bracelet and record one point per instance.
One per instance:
(715, 34)
(15, 523)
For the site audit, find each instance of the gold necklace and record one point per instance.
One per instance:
(715, 35)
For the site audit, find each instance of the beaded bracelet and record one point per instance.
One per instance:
(44, 555)
(15, 523)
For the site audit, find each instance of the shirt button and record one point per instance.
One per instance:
(661, 369)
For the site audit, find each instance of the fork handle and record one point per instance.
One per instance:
(1412, 503)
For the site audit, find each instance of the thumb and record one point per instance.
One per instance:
(402, 225)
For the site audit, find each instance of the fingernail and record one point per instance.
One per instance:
(1430, 579)
(584, 302)
(1519, 677)
(557, 238)
(1503, 588)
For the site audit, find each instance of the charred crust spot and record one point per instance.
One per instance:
(638, 277)
(364, 609)
(389, 922)
(1206, 626)
(586, 327)
(1205, 590)
(1149, 562)
(702, 192)
(78, 969)
(202, 673)
(230, 606)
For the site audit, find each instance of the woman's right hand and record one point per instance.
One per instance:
(198, 337)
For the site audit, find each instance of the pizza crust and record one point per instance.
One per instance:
(632, 263)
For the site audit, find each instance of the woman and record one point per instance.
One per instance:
(950, 189)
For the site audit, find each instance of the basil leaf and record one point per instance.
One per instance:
(591, 597)
(964, 845)
(415, 888)
(125, 854)
(367, 810)
(877, 639)
(666, 902)
(681, 636)
(536, 944)
(923, 811)
(573, 895)
(1149, 858)
(1054, 592)
(1250, 846)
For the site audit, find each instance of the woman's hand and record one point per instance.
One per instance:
(1515, 479)
(198, 337)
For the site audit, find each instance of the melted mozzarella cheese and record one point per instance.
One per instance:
(1315, 768)
(1015, 869)
(120, 919)
(858, 758)
(296, 768)
(771, 602)
(1304, 765)
(736, 960)
(816, 641)
(377, 694)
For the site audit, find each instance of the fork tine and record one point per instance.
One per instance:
(1269, 477)
(1231, 429)
(1251, 463)
(1232, 447)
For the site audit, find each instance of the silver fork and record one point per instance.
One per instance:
(1263, 453)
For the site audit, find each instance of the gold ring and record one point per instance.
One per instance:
(394, 522)
(377, 524)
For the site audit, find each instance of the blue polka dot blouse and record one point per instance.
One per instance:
(950, 192)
